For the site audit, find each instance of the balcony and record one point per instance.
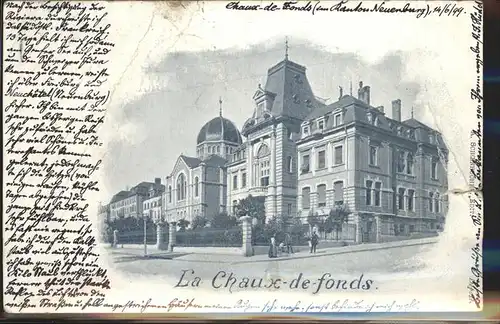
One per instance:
(258, 191)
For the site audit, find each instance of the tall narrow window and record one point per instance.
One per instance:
(289, 209)
(431, 202)
(289, 164)
(169, 194)
(409, 163)
(306, 198)
(434, 164)
(338, 188)
(196, 187)
(373, 155)
(378, 186)
(321, 125)
(305, 130)
(401, 198)
(338, 120)
(321, 159)
(401, 161)
(369, 185)
(321, 195)
(181, 187)
(339, 159)
(411, 197)
(235, 182)
(436, 203)
(305, 164)
(243, 180)
(264, 173)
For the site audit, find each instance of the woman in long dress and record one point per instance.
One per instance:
(273, 251)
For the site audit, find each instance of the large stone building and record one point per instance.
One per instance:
(388, 173)
(304, 156)
(129, 203)
(197, 185)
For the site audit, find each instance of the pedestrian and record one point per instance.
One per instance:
(288, 244)
(314, 242)
(273, 250)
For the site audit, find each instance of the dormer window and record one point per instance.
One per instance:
(296, 99)
(338, 119)
(260, 109)
(297, 78)
(305, 130)
(321, 124)
(308, 102)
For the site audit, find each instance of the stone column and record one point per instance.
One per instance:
(273, 158)
(377, 228)
(246, 226)
(171, 235)
(115, 238)
(160, 243)
(359, 222)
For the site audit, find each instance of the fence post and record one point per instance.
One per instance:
(377, 228)
(171, 235)
(246, 226)
(358, 228)
(160, 244)
(115, 238)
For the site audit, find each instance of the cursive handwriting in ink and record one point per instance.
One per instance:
(475, 175)
(55, 89)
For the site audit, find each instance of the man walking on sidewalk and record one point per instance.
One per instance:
(288, 244)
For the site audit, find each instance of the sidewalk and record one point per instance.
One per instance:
(153, 253)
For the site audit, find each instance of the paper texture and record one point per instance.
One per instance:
(242, 157)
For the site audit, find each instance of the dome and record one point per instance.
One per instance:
(219, 129)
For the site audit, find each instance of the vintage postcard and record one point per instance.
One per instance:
(242, 157)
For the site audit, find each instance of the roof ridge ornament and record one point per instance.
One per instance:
(220, 106)
(286, 48)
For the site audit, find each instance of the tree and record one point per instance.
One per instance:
(338, 216)
(199, 222)
(312, 219)
(223, 221)
(183, 224)
(253, 207)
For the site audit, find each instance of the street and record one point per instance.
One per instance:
(389, 269)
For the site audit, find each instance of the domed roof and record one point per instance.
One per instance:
(219, 129)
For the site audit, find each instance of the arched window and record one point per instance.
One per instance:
(409, 163)
(263, 151)
(289, 164)
(196, 183)
(181, 187)
(169, 194)
(436, 203)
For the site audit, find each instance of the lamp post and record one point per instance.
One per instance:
(145, 235)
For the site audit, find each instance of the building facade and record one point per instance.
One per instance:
(266, 163)
(304, 156)
(197, 185)
(129, 203)
(389, 174)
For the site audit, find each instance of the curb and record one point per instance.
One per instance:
(367, 248)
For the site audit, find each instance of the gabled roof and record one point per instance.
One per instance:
(343, 102)
(215, 160)
(120, 195)
(191, 162)
(415, 123)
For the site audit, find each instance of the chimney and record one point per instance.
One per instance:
(340, 92)
(381, 109)
(366, 94)
(396, 110)
(158, 181)
(360, 91)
